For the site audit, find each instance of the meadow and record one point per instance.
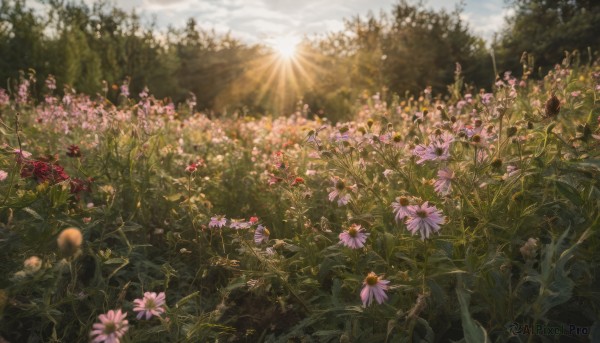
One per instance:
(472, 217)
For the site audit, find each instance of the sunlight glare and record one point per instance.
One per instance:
(284, 46)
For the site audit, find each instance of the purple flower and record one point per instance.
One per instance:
(111, 328)
(424, 219)
(261, 234)
(150, 305)
(401, 208)
(217, 221)
(373, 287)
(125, 89)
(487, 98)
(435, 151)
(238, 224)
(355, 237)
(340, 191)
(443, 185)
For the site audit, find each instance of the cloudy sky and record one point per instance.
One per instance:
(258, 20)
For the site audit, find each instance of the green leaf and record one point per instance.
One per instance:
(186, 299)
(473, 331)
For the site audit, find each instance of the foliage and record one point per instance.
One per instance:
(237, 220)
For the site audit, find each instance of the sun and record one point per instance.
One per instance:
(284, 46)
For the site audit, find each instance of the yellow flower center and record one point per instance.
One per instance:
(353, 231)
(372, 279)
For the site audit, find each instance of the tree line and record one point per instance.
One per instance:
(97, 48)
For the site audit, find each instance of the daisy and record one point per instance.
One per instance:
(261, 234)
(111, 328)
(238, 224)
(435, 151)
(355, 237)
(424, 219)
(374, 287)
(339, 191)
(401, 208)
(150, 305)
(443, 185)
(217, 221)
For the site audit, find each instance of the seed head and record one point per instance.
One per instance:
(69, 241)
(552, 107)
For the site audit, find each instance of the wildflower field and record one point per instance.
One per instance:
(469, 218)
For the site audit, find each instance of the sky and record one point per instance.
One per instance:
(254, 21)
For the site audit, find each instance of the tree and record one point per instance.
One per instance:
(548, 28)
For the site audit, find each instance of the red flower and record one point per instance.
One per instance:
(43, 171)
(73, 151)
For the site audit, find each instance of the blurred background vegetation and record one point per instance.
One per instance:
(95, 49)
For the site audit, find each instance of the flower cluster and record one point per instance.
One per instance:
(113, 324)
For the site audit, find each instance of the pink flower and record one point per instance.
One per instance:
(111, 328)
(340, 191)
(150, 305)
(191, 168)
(435, 151)
(401, 208)
(261, 234)
(3, 175)
(424, 219)
(238, 224)
(443, 185)
(373, 287)
(355, 237)
(217, 221)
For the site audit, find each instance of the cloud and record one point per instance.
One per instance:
(255, 20)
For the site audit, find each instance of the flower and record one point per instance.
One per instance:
(32, 264)
(424, 219)
(401, 208)
(261, 234)
(373, 287)
(69, 241)
(436, 151)
(218, 221)
(111, 328)
(73, 151)
(339, 191)
(443, 185)
(150, 305)
(552, 107)
(191, 168)
(510, 172)
(22, 153)
(238, 224)
(3, 175)
(355, 237)
(43, 171)
(528, 250)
